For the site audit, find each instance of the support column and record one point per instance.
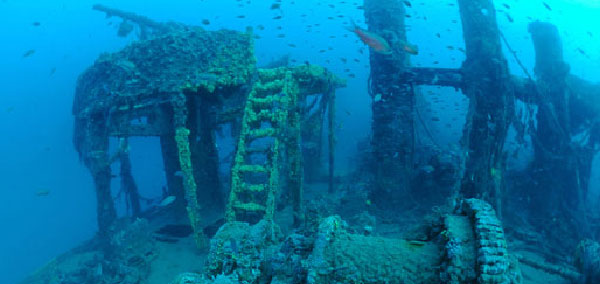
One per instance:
(393, 103)
(171, 163)
(182, 139)
(561, 167)
(206, 155)
(130, 189)
(491, 102)
(331, 138)
(97, 161)
(294, 155)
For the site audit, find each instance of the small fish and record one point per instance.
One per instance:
(167, 201)
(42, 192)
(28, 53)
(52, 71)
(36, 24)
(205, 22)
(241, 17)
(407, 3)
(510, 19)
(275, 6)
(410, 48)
(277, 17)
(427, 168)
(10, 109)
(547, 6)
(506, 5)
(376, 42)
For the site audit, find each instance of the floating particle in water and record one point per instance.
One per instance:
(260, 27)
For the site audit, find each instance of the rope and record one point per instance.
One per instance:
(514, 53)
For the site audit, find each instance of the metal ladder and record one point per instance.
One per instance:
(255, 175)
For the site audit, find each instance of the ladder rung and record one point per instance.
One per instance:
(262, 132)
(254, 187)
(258, 150)
(250, 206)
(252, 168)
(263, 115)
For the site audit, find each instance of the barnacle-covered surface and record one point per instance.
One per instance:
(187, 58)
(134, 82)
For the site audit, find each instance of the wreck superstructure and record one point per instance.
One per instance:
(182, 83)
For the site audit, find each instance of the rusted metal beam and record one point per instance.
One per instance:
(449, 77)
(393, 104)
(491, 97)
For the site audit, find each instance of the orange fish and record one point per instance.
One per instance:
(379, 44)
(376, 42)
